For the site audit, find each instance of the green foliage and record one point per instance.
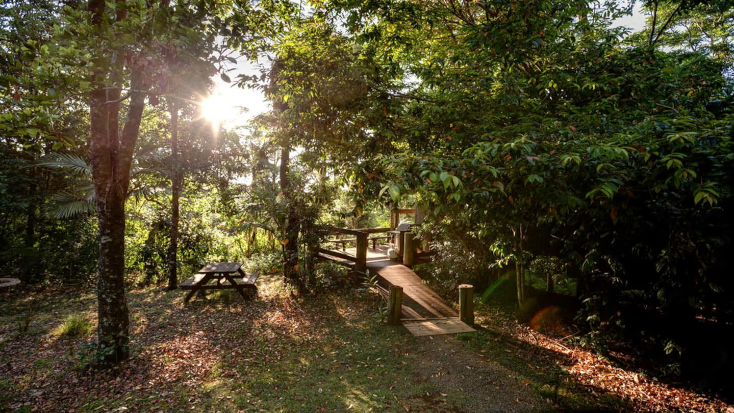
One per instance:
(536, 130)
(94, 354)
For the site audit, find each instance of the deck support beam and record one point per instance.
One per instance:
(362, 243)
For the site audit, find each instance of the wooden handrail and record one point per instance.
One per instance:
(344, 231)
(373, 230)
(360, 260)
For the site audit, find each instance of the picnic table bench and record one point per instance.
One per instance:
(343, 242)
(220, 272)
(374, 239)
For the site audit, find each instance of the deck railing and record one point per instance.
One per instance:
(361, 235)
(406, 244)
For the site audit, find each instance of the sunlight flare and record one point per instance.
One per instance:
(219, 109)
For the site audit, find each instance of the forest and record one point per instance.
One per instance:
(575, 172)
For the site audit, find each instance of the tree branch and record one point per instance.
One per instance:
(667, 22)
(109, 102)
(654, 22)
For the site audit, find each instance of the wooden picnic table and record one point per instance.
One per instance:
(220, 272)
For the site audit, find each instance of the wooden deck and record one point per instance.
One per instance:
(423, 311)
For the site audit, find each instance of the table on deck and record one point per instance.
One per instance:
(229, 271)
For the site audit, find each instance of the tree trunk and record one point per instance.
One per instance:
(111, 158)
(520, 278)
(550, 283)
(520, 271)
(30, 231)
(113, 328)
(175, 195)
(290, 248)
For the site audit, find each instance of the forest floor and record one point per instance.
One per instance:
(319, 353)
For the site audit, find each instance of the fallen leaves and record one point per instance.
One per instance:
(601, 378)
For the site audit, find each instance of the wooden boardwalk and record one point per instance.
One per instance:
(423, 311)
(419, 301)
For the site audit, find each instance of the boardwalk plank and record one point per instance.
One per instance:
(436, 327)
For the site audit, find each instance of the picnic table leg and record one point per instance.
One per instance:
(189, 295)
(237, 287)
(196, 287)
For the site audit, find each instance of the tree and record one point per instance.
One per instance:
(320, 92)
(128, 44)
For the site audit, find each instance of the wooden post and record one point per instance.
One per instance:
(418, 216)
(394, 305)
(401, 244)
(408, 249)
(466, 304)
(362, 243)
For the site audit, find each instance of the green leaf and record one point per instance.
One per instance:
(226, 78)
(394, 193)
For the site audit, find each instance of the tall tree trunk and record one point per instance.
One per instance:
(113, 327)
(30, 230)
(290, 248)
(175, 195)
(111, 155)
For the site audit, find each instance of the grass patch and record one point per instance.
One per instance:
(74, 326)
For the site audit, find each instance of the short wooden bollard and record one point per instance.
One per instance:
(408, 249)
(394, 305)
(466, 304)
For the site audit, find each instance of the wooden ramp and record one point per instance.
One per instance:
(424, 313)
(424, 302)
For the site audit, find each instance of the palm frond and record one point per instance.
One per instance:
(73, 163)
(72, 208)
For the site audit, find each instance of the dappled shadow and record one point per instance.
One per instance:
(327, 351)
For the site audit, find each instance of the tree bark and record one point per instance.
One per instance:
(175, 196)
(111, 158)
